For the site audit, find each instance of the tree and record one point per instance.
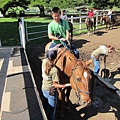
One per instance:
(40, 4)
(101, 4)
(66, 3)
(6, 4)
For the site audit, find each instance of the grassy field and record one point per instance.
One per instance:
(9, 33)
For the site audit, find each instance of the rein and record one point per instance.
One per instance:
(78, 90)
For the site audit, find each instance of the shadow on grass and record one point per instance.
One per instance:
(9, 34)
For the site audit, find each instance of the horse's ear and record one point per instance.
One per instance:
(89, 62)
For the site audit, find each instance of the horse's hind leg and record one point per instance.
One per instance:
(93, 30)
(67, 94)
(88, 29)
(60, 105)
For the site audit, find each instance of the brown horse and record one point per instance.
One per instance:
(76, 72)
(107, 22)
(90, 24)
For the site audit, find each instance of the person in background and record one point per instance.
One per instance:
(95, 10)
(101, 51)
(90, 15)
(64, 15)
(110, 13)
(58, 31)
(19, 23)
(50, 79)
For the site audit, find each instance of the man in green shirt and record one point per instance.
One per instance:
(58, 30)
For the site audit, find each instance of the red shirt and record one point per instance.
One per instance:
(90, 14)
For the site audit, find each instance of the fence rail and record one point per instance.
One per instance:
(80, 23)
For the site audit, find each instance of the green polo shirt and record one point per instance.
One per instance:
(62, 27)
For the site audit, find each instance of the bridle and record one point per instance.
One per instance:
(74, 79)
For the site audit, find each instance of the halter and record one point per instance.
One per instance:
(78, 90)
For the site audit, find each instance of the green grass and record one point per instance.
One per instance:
(9, 33)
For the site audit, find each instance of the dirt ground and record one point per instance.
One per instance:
(106, 104)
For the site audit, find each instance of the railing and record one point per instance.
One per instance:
(81, 23)
(37, 32)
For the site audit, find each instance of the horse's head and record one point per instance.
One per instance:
(81, 82)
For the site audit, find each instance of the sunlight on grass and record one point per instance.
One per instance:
(9, 33)
(8, 19)
(38, 19)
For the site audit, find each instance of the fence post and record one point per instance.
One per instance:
(80, 27)
(96, 17)
(26, 31)
(0, 43)
(23, 33)
(72, 19)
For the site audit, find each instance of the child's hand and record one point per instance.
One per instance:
(67, 84)
(62, 39)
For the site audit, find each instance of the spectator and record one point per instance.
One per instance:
(63, 15)
(19, 28)
(50, 80)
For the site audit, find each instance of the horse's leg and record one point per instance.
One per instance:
(106, 26)
(67, 94)
(92, 27)
(60, 103)
(88, 29)
(59, 94)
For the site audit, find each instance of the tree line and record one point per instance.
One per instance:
(63, 4)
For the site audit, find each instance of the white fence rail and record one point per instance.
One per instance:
(81, 20)
(33, 33)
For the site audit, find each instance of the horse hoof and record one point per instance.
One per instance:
(88, 33)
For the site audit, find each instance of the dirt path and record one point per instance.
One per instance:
(108, 103)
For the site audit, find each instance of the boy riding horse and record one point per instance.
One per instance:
(58, 31)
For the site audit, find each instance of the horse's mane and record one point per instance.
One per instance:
(65, 52)
(65, 61)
